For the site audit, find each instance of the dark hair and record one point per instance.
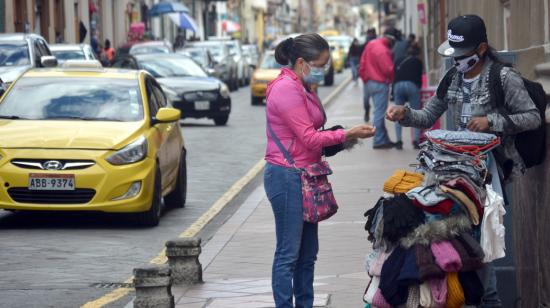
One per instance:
(412, 37)
(306, 46)
(491, 53)
(107, 43)
(413, 50)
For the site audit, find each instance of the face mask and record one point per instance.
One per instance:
(466, 64)
(316, 75)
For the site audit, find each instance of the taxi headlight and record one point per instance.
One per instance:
(224, 91)
(134, 152)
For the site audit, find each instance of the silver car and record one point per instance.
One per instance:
(64, 52)
(21, 51)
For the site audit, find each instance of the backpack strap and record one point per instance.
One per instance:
(445, 83)
(496, 90)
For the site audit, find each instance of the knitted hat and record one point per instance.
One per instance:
(392, 291)
(469, 263)
(455, 293)
(462, 184)
(400, 218)
(426, 299)
(402, 181)
(471, 245)
(446, 256)
(371, 290)
(409, 271)
(379, 301)
(465, 201)
(472, 286)
(444, 207)
(439, 291)
(427, 268)
(376, 267)
(413, 300)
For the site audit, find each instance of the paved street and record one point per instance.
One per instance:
(237, 260)
(57, 259)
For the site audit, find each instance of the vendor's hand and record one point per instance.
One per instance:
(478, 124)
(395, 113)
(360, 132)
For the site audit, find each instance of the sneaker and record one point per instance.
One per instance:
(416, 145)
(399, 145)
(388, 145)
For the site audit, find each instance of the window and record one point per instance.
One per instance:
(153, 104)
(161, 99)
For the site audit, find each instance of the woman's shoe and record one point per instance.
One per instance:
(399, 145)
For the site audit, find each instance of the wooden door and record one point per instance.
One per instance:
(20, 14)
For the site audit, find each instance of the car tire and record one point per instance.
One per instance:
(221, 120)
(255, 101)
(177, 197)
(329, 77)
(151, 217)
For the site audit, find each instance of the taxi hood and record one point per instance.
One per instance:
(45, 134)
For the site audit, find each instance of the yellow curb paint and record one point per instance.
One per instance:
(202, 221)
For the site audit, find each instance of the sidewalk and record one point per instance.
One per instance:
(237, 260)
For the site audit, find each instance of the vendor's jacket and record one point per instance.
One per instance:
(523, 112)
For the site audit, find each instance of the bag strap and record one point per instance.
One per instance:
(279, 144)
(445, 83)
(497, 92)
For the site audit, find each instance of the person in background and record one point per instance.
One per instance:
(58, 38)
(412, 39)
(354, 55)
(294, 118)
(406, 88)
(371, 35)
(399, 48)
(94, 43)
(108, 53)
(377, 71)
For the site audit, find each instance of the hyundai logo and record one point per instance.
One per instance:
(52, 165)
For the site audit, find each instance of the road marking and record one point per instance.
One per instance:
(202, 221)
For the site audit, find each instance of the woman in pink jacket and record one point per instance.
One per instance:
(294, 116)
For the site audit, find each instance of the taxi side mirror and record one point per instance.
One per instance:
(166, 115)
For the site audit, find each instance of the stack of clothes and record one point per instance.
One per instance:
(436, 227)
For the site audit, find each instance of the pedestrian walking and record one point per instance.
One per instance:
(400, 47)
(294, 117)
(406, 89)
(466, 93)
(371, 36)
(377, 72)
(354, 55)
(107, 54)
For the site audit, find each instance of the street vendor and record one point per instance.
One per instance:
(466, 96)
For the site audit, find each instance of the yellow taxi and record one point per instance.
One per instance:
(268, 70)
(338, 57)
(85, 138)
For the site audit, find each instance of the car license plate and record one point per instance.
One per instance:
(39, 181)
(202, 105)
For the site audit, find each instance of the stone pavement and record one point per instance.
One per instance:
(237, 260)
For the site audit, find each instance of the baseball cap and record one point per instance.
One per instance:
(464, 34)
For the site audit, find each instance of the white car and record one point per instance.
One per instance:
(64, 52)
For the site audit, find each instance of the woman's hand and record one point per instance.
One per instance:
(396, 113)
(360, 132)
(479, 124)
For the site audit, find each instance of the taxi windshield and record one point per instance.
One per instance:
(65, 98)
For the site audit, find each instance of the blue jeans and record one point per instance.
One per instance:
(406, 91)
(297, 241)
(379, 92)
(354, 64)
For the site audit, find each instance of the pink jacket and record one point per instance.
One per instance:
(376, 62)
(295, 117)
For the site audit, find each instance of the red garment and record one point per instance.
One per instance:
(295, 116)
(376, 62)
(444, 207)
(464, 186)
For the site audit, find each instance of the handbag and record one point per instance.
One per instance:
(318, 200)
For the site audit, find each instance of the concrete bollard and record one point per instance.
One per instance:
(183, 258)
(153, 287)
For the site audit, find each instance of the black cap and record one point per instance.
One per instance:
(464, 34)
(392, 33)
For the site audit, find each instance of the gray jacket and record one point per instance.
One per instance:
(522, 111)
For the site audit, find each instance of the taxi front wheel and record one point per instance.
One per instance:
(177, 197)
(151, 217)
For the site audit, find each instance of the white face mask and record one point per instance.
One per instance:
(466, 64)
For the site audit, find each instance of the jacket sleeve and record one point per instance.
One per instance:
(426, 117)
(289, 102)
(363, 65)
(523, 111)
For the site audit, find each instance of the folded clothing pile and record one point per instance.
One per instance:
(426, 240)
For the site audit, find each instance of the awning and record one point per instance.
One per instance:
(184, 21)
(166, 8)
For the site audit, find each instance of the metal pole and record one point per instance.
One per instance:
(379, 16)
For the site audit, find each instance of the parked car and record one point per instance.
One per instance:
(268, 70)
(186, 85)
(64, 52)
(102, 140)
(205, 59)
(252, 54)
(148, 47)
(223, 59)
(20, 52)
(244, 69)
(337, 56)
